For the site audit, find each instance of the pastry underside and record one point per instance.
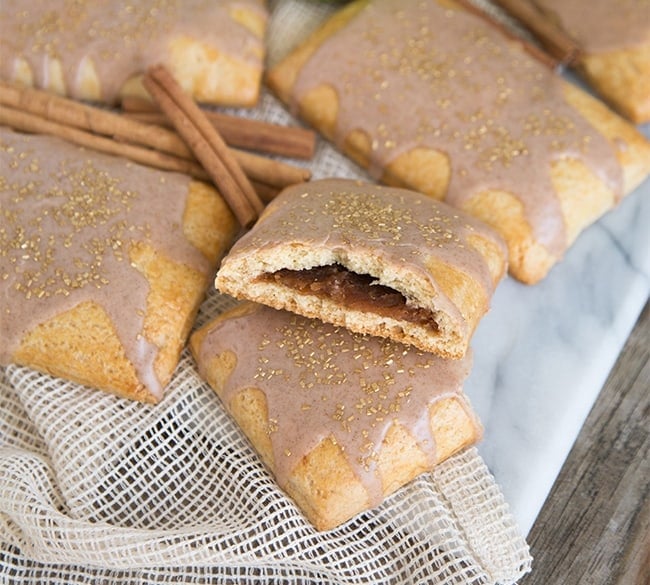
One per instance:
(211, 73)
(582, 195)
(104, 264)
(323, 482)
(389, 279)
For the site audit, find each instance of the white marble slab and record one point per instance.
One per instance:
(543, 353)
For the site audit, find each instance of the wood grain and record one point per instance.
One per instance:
(594, 528)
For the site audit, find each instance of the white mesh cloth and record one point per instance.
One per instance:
(97, 489)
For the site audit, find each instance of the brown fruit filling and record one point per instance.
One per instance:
(360, 292)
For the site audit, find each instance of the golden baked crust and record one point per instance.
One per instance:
(323, 482)
(581, 194)
(370, 241)
(81, 342)
(622, 78)
(190, 39)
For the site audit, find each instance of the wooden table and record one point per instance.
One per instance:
(594, 528)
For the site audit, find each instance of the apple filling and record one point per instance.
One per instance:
(359, 292)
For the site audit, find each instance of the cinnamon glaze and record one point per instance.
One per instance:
(422, 74)
(392, 227)
(120, 39)
(69, 219)
(601, 25)
(322, 381)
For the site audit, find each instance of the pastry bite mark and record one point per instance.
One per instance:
(378, 260)
(340, 419)
(454, 109)
(96, 266)
(98, 51)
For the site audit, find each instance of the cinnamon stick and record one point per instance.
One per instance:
(559, 44)
(269, 171)
(135, 104)
(265, 192)
(85, 117)
(205, 142)
(27, 122)
(537, 53)
(289, 141)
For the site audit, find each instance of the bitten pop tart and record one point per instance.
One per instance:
(379, 260)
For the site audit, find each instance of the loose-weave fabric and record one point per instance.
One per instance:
(98, 489)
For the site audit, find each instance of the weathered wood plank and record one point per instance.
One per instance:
(595, 525)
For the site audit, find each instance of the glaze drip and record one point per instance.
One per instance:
(121, 39)
(392, 226)
(322, 381)
(414, 74)
(70, 223)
